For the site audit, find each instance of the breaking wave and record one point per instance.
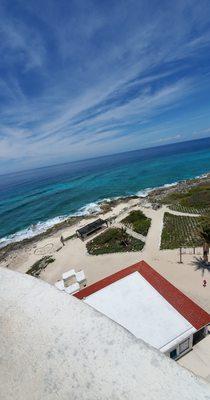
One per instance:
(41, 227)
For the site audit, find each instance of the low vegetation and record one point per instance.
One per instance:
(189, 210)
(114, 240)
(138, 222)
(205, 228)
(39, 265)
(180, 231)
(196, 200)
(70, 237)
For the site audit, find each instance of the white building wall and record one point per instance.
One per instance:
(177, 347)
(54, 346)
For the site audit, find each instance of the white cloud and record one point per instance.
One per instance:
(95, 82)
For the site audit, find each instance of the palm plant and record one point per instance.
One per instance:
(124, 236)
(205, 235)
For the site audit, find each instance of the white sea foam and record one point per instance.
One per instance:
(201, 176)
(31, 231)
(109, 199)
(41, 227)
(145, 192)
(89, 209)
(167, 185)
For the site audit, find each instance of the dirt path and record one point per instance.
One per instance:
(131, 232)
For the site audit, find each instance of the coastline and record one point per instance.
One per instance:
(57, 229)
(103, 207)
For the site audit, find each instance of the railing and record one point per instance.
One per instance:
(191, 250)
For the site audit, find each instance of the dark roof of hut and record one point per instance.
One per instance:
(85, 230)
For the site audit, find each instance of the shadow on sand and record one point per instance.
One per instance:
(201, 265)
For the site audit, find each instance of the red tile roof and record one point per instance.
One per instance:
(183, 304)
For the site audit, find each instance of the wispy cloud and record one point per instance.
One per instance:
(84, 78)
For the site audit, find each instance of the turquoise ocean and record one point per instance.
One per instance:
(34, 200)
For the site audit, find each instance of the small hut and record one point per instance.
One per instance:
(91, 228)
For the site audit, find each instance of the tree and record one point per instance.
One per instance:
(205, 235)
(124, 237)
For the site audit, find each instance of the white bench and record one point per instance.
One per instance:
(80, 278)
(72, 288)
(68, 274)
(60, 285)
(71, 281)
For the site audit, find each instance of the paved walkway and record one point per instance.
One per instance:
(181, 213)
(154, 234)
(131, 232)
(153, 238)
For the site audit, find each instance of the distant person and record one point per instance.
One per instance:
(204, 283)
(62, 240)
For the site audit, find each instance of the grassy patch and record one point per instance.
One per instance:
(113, 240)
(189, 210)
(180, 231)
(138, 222)
(70, 237)
(197, 198)
(39, 265)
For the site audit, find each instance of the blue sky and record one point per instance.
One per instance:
(80, 79)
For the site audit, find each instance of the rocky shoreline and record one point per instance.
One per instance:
(105, 207)
(157, 195)
(154, 196)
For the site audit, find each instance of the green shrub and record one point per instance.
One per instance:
(39, 265)
(138, 222)
(197, 197)
(113, 240)
(180, 231)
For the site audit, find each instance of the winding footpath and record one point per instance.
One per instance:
(153, 238)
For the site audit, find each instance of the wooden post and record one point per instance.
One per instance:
(180, 256)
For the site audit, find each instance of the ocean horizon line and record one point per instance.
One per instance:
(172, 144)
